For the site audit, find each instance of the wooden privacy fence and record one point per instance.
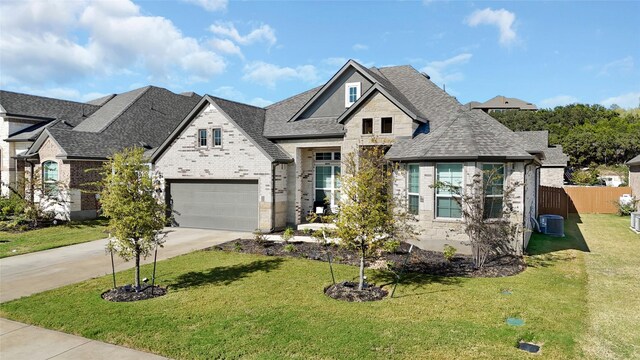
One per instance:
(594, 199)
(579, 200)
(553, 200)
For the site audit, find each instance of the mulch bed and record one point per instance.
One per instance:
(348, 291)
(127, 293)
(420, 261)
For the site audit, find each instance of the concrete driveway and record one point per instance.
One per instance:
(27, 274)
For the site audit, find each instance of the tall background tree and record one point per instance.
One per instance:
(369, 214)
(589, 134)
(136, 215)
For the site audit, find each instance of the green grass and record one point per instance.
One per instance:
(51, 237)
(613, 290)
(237, 305)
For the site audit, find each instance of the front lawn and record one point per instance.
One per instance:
(225, 304)
(16, 243)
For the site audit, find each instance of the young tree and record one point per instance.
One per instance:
(487, 207)
(136, 215)
(369, 214)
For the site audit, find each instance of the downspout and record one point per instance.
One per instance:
(524, 195)
(273, 196)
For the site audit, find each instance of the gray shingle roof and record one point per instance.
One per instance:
(554, 156)
(634, 161)
(44, 108)
(534, 140)
(251, 120)
(149, 117)
(30, 133)
(101, 100)
(277, 117)
(466, 135)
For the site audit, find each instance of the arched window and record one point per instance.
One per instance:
(50, 175)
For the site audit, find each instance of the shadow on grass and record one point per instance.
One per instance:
(224, 274)
(414, 284)
(544, 248)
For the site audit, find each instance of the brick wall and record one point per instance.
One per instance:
(237, 159)
(553, 177)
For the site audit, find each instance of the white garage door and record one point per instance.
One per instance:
(225, 205)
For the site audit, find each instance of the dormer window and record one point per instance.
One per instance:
(351, 94)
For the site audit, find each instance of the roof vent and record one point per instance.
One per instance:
(425, 75)
(65, 122)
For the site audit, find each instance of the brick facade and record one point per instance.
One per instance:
(552, 176)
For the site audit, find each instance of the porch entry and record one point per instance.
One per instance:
(327, 179)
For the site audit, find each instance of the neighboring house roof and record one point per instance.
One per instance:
(141, 117)
(634, 161)
(41, 108)
(468, 135)
(249, 119)
(503, 102)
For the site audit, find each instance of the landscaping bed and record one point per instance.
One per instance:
(127, 293)
(420, 261)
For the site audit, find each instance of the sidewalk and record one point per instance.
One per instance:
(21, 341)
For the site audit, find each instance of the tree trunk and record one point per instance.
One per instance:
(361, 284)
(137, 280)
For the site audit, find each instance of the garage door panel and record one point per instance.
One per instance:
(230, 205)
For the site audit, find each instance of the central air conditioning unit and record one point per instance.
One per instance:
(552, 225)
(635, 221)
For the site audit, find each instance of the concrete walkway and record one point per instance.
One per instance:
(21, 341)
(28, 274)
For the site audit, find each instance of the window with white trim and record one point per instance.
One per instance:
(351, 93)
(447, 200)
(413, 187)
(327, 184)
(50, 176)
(202, 137)
(217, 136)
(493, 181)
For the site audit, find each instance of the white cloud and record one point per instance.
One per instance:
(360, 47)
(264, 33)
(446, 71)
(226, 46)
(629, 100)
(260, 102)
(621, 65)
(502, 18)
(269, 74)
(231, 93)
(40, 43)
(210, 5)
(559, 100)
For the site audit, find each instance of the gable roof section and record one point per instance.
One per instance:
(29, 133)
(405, 106)
(248, 119)
(351, 63)
(468, 135)
(534, 141)
(41, 108)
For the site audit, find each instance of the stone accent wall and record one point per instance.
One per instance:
(552, 176)
(49, 152)
(530, 201)
(440, 230)
(237, 159)
(376, 107)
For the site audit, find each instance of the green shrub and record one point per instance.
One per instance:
(391, 246)
(289, 248)
(237, 247)
(259, 237)
(307, 231)
(288, 234)
(449, 252)
(627, 208)
(585, 177)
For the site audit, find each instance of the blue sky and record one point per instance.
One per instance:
(259, 52)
